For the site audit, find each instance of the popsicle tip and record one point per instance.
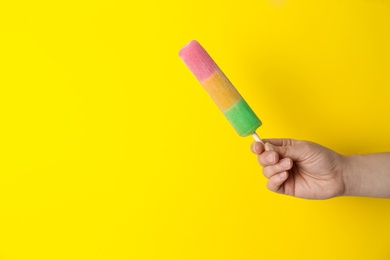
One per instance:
(191, 44)
(198, 60)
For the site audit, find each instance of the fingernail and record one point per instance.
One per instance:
(271, 157)
(269, 147)
(253, 147)
(282, 175)
(285, 163)
(256, 147)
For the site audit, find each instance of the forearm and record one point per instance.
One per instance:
(367, 175)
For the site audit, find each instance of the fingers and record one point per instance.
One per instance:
(265, 155)
(268, 158)
(257, 148)
(275, 182)
(283, 165)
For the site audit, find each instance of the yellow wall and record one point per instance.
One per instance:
(110, 149)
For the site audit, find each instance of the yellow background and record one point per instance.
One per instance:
(110, 149)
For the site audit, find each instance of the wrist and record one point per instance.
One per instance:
(351, 175)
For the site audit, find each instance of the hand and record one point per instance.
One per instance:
(300, 168)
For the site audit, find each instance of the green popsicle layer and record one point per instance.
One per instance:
(242, 118)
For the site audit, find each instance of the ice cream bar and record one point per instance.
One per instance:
(220, 89)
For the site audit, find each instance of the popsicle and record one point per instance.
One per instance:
(221, 90)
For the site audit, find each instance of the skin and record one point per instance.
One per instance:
(308, 170)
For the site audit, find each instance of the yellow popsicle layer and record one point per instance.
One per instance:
(221, 90)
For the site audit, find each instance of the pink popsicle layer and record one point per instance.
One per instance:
(198, 60)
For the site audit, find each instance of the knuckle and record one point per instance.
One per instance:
(262, 158)
(287, 142)
(270, 171)
(267, 172)
(271, 186)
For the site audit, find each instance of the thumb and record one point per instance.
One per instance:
(290, 151)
